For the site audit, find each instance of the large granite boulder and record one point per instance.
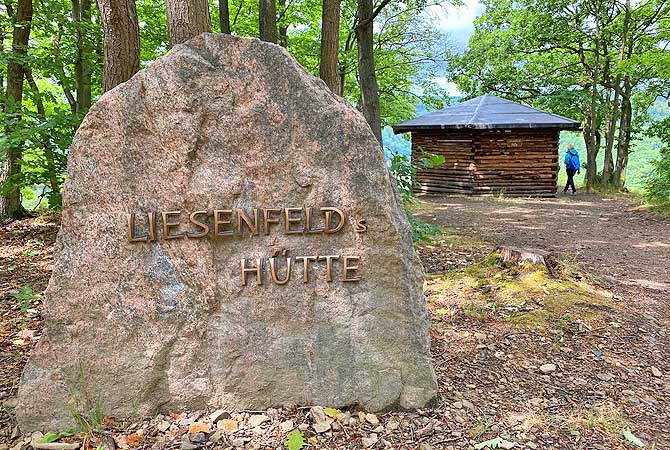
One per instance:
(141, 319)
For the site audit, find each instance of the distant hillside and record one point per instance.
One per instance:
(396, 143)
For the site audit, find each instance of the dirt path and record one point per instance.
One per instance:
(628, 250)
(606, 235)
(488, 364)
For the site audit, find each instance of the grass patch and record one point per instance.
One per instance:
(481, 428)
(477, 312)
(463, 243)
(662, 209)
(659, 206)
(606, 419)
(85, 406)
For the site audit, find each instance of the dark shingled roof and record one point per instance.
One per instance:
(485, 112)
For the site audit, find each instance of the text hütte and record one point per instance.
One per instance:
(282, 268)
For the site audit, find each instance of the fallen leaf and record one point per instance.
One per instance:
(332, 412)
(494, 443)
(50, 437)
(133, 439)
(295, 440)
(198, 427)
(632, 439)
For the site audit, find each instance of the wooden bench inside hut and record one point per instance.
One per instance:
(491, 146)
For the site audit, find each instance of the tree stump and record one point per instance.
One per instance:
(519, 256)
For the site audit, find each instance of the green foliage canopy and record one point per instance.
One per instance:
(407, 53)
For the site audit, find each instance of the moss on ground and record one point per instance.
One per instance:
(521, 295)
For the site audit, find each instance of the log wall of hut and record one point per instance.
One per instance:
(518, 162)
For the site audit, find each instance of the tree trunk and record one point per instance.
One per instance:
(330, 45)
(121, 41)
(366, 67)
(588, 132)
(81, 13)
(623, 141)
(283, 29)
(344, 66)
(592, 168)
(608, 165)
(186, 19)
(224, 16)
(2, 66)
(10, 200)
(591, 147)
(267, 20)
(610, 126)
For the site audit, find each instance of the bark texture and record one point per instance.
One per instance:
(330, 45)
(267, 17)
(623, 141)
(187, 19)
(10, 202)
(283, 29)
(81, 13)
(366, 67)
(122, 41)
(224, 16)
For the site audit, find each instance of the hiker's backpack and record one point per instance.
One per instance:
(572, 161)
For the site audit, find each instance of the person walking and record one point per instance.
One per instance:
(572, 166)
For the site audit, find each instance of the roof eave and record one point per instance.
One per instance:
(397, 129)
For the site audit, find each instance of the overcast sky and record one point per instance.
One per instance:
(457, 23)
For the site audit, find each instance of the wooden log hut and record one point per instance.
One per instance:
(491, 146)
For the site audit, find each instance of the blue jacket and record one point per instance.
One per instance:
(572, 160)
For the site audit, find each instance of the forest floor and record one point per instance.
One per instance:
(575, 359)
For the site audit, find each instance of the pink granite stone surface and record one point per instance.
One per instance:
(223, 122)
